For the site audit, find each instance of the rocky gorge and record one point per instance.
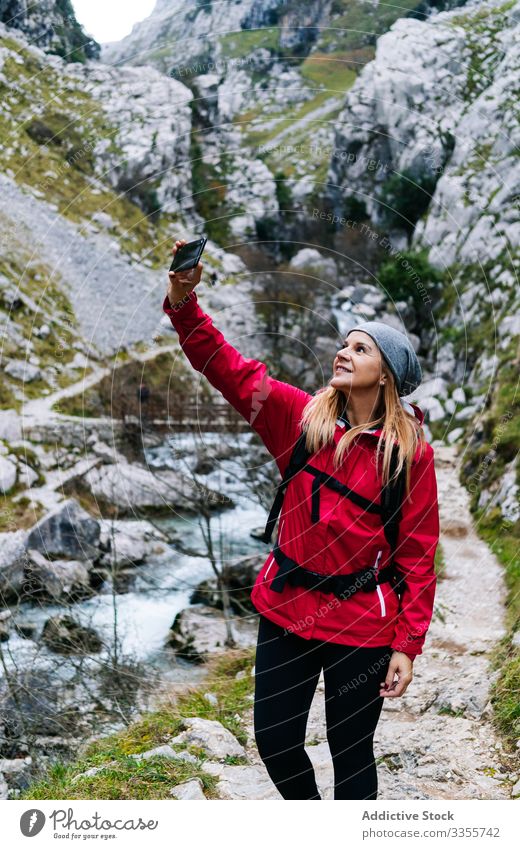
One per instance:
(347, 161)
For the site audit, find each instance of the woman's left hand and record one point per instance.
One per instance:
(401, 665)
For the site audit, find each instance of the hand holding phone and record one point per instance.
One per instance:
(186, 268)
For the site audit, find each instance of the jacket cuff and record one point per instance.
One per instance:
(411, 654)
(188, 299)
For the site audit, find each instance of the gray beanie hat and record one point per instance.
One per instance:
(397, 351)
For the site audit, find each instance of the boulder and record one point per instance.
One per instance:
(56, 579)
(239, 578)
(129, 486)
(23, 370)
(67, 531)
(13, 557)
(189, 790)
(198, 632)
(10, 425)
(64, 635)
(165, 752)
(210, 736)
(17, 771)
(5, 625)
(310, 260)
(7, 474)
(242, 782)
(127, 543)
(27, 475)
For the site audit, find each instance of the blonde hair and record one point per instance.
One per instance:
(319, 420)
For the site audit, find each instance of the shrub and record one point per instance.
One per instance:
(406, 273)
(404, 198)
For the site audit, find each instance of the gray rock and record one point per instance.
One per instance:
(242, 782)
(57, 579)
(311, 260)
(27, 475)
(8, 474)
(68, 531)
(130, 486)
(239, 577)
(16, 771)
(10, 425)
(23, 370)
(94, 770)
(455, 434)
(165, 752)
(210, 736)
(64, 635)
(198, 632)
(13, 558)
(190, 790)
(127, 543)
(4, 789)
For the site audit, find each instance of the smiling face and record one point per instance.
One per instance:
(358, 365)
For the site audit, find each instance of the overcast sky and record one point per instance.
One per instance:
(110, 20)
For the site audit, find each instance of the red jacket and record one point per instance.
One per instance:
(346, 538)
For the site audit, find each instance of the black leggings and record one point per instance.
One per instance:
(287, 670)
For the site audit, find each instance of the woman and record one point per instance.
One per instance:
(365, 640)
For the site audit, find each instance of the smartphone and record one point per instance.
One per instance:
(188, 255)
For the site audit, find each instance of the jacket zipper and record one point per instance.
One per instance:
(268, 568)
(378, 587)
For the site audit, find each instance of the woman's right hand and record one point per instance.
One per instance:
(182, 282)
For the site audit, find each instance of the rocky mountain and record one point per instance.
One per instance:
(347, 160)
(51, 25)
(436, 114)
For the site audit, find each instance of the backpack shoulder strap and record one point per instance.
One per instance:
(391, 501)
(297, 461)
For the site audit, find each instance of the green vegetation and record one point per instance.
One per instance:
(408, 274)
(498, 445)
(209, 193)
(122, 777)
(357, 25)
(74, 45)
(19, 514)
(483, 27)
(354, 209)
(239, 45)
(404, 198)
(440, 563)
(52, 307)
(50, 129)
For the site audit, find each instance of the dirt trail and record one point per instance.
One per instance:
(437, 741)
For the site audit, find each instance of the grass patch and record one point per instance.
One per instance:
(122, 777)
(483, 28)
(18, 515)
(499, 445)
(239, 45)
(440, 563)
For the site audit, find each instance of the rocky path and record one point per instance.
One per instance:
(437, 741)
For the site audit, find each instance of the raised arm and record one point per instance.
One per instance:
(271, 407)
